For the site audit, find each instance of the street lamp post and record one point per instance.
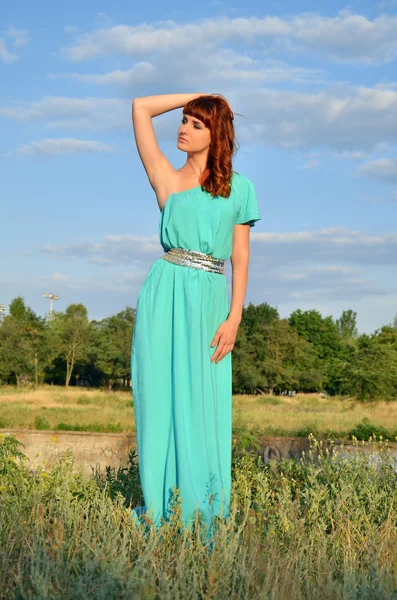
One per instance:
(51, 297)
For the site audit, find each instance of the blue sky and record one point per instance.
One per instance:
(317, 85)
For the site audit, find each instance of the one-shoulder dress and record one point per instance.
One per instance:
(183, 401)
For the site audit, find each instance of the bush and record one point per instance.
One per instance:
(90, 427)
(42, 424)
(366, 430)
(306, 430)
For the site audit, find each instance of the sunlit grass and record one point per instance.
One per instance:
(98, 410)
(301, 414)
(94, 410)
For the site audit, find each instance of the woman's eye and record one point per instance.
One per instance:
(196, 125)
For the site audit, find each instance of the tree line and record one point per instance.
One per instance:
(305, 352)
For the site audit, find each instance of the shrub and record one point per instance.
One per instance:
(42, 424)
(366, 430)
(90, 427)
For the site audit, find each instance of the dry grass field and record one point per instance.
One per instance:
(304, 414)
(96, 410)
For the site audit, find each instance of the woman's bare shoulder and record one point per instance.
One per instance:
(174, 181)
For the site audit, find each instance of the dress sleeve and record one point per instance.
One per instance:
(248, 210)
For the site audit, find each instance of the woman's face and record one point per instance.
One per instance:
(193, 135)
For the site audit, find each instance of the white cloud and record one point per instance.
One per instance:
(48, 147)
(327, 264)
(330, 282)
(87, 113)
(5, 56)
(347, 154)
(384, 169)
(311, 163)
(59, 277)
(20, 37)
(346, 37)
(103, 20)
(141, 71)
(388, 4)
(344, 119)
(71, 29)
(222, 65)
(63, 285)
(113, 250)
(327, 244)
(372, 199)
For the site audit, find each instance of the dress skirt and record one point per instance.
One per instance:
(182, 400)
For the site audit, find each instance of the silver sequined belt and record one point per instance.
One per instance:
(194, 259)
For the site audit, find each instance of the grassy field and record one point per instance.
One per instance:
(323, 529)
(95, 410)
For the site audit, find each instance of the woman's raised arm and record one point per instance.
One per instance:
(144, 109)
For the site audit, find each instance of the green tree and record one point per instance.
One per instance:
(347, 325)
(320, 331)
(394, 322)
(23, 313)
(371, 373)
(387, 335)
(246, 377)
(15, 359)
(288, 361)
(22, 342)
(111, 348)
(269, 355)
(70, 336)
(253, 316)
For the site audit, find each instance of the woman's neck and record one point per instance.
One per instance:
(196, 164)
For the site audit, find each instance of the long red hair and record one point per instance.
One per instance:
(215, 113)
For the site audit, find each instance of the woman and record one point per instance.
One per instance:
(184, 333)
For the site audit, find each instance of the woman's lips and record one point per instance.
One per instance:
(182, 139)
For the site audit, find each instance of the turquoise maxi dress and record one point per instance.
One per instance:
(182, 400)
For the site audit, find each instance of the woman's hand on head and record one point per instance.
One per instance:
(227, 102)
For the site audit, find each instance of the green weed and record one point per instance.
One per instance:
(321, 527)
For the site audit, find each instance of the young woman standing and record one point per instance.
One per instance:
(184, 332)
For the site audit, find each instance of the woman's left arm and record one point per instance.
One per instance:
(227, 331)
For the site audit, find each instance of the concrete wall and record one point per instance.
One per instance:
(103, 449)
(89, 449)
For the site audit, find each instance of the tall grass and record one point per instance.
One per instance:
(72, 409)
(324, 527)
(78, 409)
